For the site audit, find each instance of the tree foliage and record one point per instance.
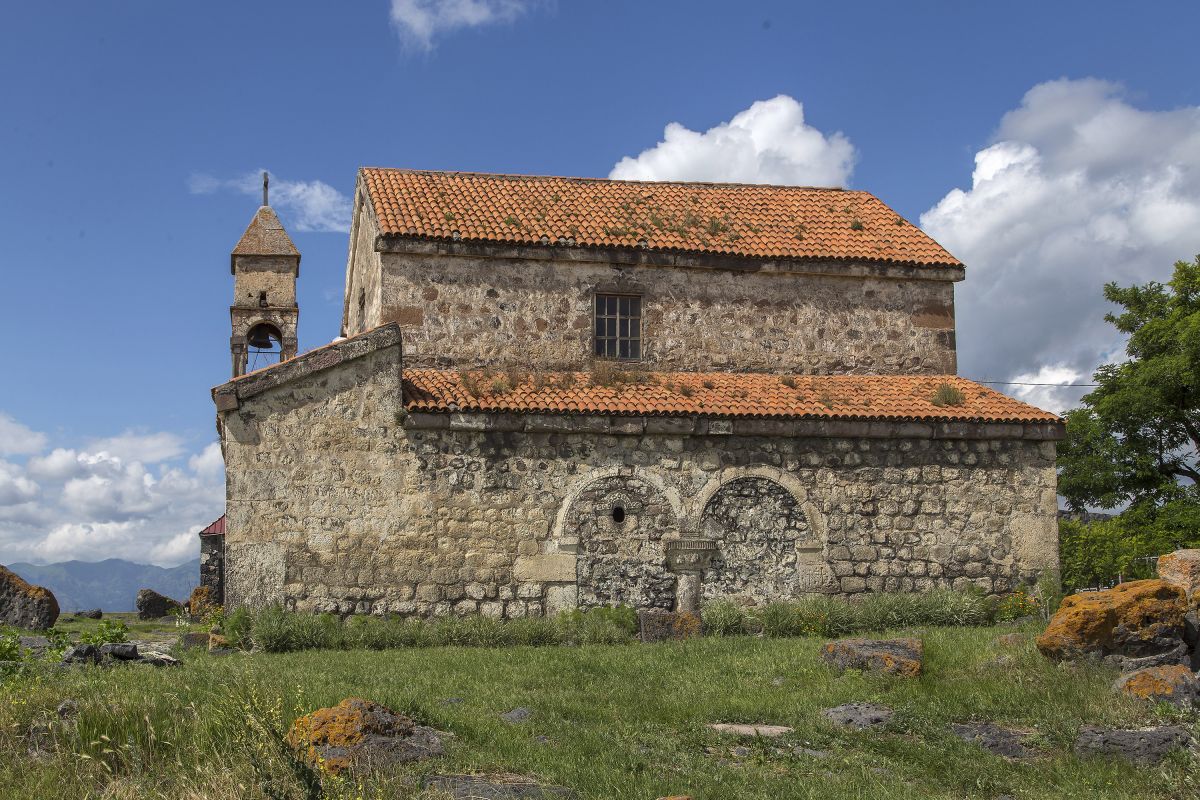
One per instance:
(1136, 438)
(1135, 441)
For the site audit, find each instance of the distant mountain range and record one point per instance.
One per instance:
(110, 585)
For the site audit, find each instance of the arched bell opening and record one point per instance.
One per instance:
(264, 345)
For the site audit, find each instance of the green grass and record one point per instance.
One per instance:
(623, 722)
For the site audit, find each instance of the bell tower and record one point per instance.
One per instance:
(265, 265)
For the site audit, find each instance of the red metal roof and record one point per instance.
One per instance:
(215, 529)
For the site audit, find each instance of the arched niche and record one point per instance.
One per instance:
(616, 523)
(768, 546)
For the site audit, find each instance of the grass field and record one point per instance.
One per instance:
(624, 721)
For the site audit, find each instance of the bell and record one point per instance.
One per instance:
(260, 338)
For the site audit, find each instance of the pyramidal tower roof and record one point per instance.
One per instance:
(265, 236)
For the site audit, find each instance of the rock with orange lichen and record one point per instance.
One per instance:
(361, 735)
(1181, 568)
(889, 656)
(1174, 684)
(1133, 625)
(23, 605)
(201, 602)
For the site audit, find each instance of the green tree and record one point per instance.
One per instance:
(1135, 441)
(1136, 438)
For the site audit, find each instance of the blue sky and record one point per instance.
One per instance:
(1070, 130)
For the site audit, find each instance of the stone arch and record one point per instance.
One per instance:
(620, 556)
(770, 541)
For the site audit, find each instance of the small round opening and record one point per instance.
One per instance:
(618, 514)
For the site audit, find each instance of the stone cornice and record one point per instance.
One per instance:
(655, 258)
(621, 425)
(228, 396)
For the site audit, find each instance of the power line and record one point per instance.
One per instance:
(1060, 385)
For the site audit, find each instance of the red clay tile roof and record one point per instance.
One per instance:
(720, 394)
(734, 219)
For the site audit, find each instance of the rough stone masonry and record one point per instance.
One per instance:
(506, 470)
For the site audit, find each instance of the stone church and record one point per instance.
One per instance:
(552, 393)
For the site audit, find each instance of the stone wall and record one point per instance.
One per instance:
(462, 311)
(472, 304)
(275, 275)
(338, 501)
(212, 565)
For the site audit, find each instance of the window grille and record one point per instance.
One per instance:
(618, 331)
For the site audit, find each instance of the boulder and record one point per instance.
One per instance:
(1182, 569)
(201, 601)
(1174, 684)
(152, 605)
(359, 734)
(859, 716)
(158, 659)
(82, 654)
(494, 787)
(656, 625)
(194, 639)
(121, 651)
(1133, 625)
(23, 605)
(1005, 742)
(1144, 746)
(91, 613)
(517, 715)
(889, 656)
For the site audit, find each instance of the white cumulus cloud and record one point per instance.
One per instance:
(139, 496)
(1079, 187)
(421, 22)
(148, 448)
(16, 439)
(769, 142)
(305, 205)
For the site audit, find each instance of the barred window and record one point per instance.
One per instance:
(618, 326)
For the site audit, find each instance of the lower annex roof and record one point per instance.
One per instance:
(716, 394)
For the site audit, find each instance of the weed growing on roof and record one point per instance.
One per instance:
(899, 221)
(515, 376)
(566, 380)
(947, 395)
(686, 390)
(511, 220)
(716, 227)
(500, 385)
(856, 225)
(788, 381)
(450, 216)
(617, 232)
(470, 383)
(826, 399)
(708, 384)
(606, 373)
(798, 233)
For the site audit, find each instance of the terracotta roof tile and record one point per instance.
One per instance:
(717, 394)
(748, 220)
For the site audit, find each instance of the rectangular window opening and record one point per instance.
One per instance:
(618, 329)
